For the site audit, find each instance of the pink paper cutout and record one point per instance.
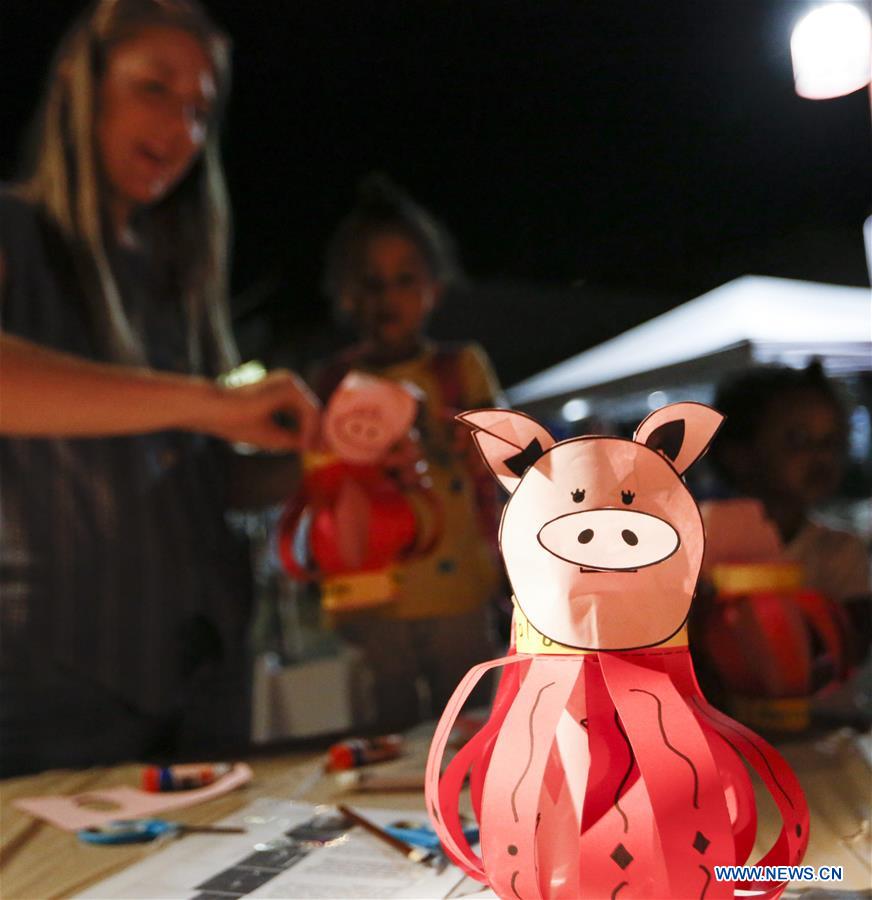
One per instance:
(366, 415)
(502, 435)
(648, 600)
(688, 427)
(605, 773)
(130, 803)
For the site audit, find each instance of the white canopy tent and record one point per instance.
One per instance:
(751, 320)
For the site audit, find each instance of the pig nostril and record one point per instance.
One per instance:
(586, 536)
(629, 537)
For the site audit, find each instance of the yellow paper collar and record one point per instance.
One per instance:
(529, 640)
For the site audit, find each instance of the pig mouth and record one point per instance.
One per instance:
(584, 569)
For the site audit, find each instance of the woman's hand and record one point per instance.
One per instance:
(48, 393)
(277, 413)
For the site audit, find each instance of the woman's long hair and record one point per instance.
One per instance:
(189, 227)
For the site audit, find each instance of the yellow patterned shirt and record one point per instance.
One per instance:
(461, 572)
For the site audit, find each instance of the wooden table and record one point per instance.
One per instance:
(40, 861)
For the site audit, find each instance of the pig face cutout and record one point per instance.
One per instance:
(366, 416)
(601, 540)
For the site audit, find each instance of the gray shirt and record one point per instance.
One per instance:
(116, 563)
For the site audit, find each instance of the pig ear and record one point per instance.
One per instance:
(682, 432)
(509, 441)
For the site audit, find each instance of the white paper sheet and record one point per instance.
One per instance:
(263, 863)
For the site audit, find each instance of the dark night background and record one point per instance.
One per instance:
(598, 162)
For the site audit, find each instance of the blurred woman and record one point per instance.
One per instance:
(123, 594)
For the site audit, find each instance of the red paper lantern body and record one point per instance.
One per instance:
(388, 524)
(773, 643)
(662, 775)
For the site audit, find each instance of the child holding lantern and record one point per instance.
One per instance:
(387, 267)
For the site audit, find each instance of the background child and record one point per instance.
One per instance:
(784, 443)
(387, 266)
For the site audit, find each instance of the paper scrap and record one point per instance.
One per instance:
(78, 810)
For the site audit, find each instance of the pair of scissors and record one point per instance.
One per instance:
(419, 835)
(422, 835)
(135, 831)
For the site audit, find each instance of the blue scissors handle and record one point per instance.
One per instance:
(424, 835)
(135, 831)
(128, 831)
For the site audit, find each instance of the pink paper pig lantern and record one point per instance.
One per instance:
(602, 771)
(351, 523)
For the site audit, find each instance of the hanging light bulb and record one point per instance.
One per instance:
(830, 49)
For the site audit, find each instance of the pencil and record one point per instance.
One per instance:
(415, 854)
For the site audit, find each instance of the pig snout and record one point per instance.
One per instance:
(609, 539)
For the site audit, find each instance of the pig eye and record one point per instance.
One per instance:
(627, 497)
(577, 496)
